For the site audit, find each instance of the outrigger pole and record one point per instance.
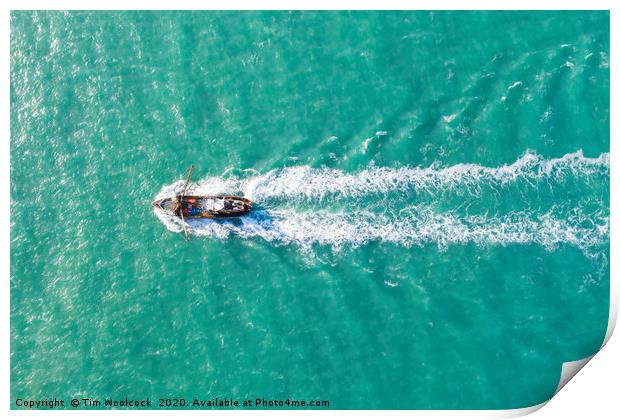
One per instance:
(183, 224)
(189, 175)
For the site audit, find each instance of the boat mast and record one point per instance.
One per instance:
(189, 175)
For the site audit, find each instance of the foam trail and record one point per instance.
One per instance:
(413, 226)
(584, 224)
(317, 183)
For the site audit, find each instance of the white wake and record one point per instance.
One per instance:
(287, 222)
(316, 183)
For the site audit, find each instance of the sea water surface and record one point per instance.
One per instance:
(432, 205)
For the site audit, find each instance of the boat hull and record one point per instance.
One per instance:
(205, 207)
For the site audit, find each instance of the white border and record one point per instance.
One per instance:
(603, 374)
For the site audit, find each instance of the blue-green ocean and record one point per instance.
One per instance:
(431, 189)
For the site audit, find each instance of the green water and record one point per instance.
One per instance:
(432, 192)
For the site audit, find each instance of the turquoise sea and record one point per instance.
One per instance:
(432, 205)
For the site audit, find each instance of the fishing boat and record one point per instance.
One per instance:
(203, 206)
